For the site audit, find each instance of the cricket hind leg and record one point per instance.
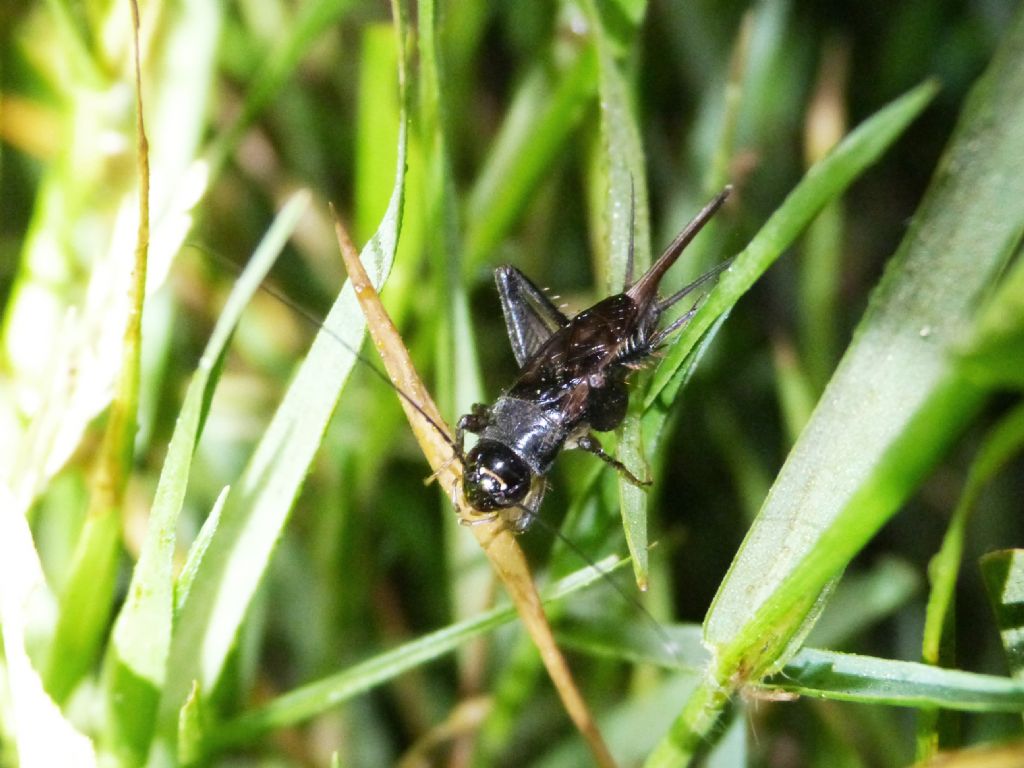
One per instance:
(590, 444)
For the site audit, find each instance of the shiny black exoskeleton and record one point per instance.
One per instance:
(572, 380)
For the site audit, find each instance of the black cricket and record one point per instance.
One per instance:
(572, 381)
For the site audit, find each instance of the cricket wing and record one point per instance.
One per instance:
(530, 317)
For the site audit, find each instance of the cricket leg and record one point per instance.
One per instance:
(590, 444)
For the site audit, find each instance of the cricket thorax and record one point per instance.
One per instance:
(528, 428)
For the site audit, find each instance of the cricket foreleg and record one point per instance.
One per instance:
(472, 422)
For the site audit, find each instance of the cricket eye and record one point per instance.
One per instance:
(495, 477)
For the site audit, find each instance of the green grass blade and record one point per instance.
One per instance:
(822, 184)
(257, 507)
(35, 730)
(623, 224)
(458, 370)
(197, 551)
(137, 655)
(822, 249)
(191, 747)
(458, 382)
(849, 677)
(864, 598)
(378, 121)
(819, 673)
(854, 466)
(630, 727)
(635, 643)
(621, 170)
(88, 597)
(793, 388)
(898, 364)
(85, 604)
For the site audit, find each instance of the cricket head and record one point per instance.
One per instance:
(495, 477)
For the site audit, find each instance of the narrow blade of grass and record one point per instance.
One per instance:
(624, 227)
(824, 182)
(34, 725)
(87, 600)
(865, 679)
(137, 657)
(993, 356)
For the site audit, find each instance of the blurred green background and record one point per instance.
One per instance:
(509, 160)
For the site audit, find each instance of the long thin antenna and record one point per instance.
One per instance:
(310, 318)
(668, 643)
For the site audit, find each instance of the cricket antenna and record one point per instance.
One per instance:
(310, 318)
(670, 645)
